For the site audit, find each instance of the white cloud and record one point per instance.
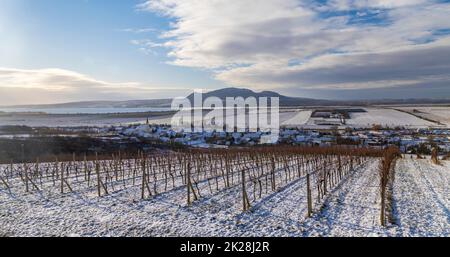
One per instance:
(21, 86)
(147, 46)
(355, 4)
(138, 31)
(251, 43)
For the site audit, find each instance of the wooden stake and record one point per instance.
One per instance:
(143, 180)
(245, 202)
(26, 178)
(62, 179)
(97, 171)
(308, 186)
(273, 175)
(188, 178)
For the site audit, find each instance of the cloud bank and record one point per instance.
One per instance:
(334, 44)
(39, 86)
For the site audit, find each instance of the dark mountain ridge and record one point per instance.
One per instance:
(245, 93)
(236, 92)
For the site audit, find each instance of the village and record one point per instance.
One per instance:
(408, 140)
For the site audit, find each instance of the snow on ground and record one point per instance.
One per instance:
(301, 117)
(123, 214)
(288, 117)
(386, 117)
(436, 113)
(422, 198)
(70, 120)
(353, 209)
(421, 208)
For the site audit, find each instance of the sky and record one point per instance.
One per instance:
(54, 51)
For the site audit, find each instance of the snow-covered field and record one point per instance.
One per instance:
(436, 113)
(123, 214)
(421, 202)
(288, 117)
(422, 198)
(387, 117)
(73, 120)
(421, 208)
(300, 117)
(378, 115)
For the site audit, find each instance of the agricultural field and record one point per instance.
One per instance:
(387, 117)
(290, 191)
(296, 118)
(384, 116)
(440, 114)
(411, 117)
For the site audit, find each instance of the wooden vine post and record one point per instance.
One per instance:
(273, 175)
(85, 168)
(62, 178)
(308, 185)
(97, 172)
(188, 180)
(144, 178)
(26, 178)
(245, 202)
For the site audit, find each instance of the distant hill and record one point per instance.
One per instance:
(237, 92)
(163, 103)
(299, 101)
(245, 93)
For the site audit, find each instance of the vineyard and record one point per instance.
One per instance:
(257, 172)
(196, 192)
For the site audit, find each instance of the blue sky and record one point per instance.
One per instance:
(91, 37)
(57, 51)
